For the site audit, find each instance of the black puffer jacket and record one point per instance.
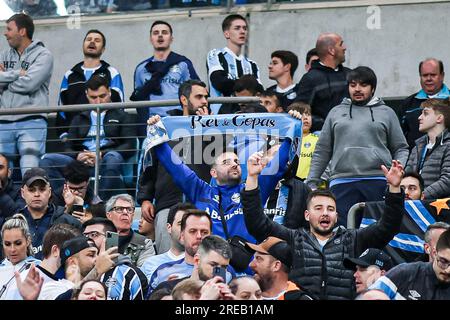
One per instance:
(296, 206)
(322, 272)
(322, 88)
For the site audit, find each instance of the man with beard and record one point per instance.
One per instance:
(222, 201)
(358, 136)
(157, 191)
(73, 90)
(413, 186)
(420, 280)
(272, 263)
(176, 251)
(213, 252)
(318, 253)
(195, 226)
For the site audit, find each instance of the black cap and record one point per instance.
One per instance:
(34, 174)
(277, 248)
(73, 246)
(370, 257)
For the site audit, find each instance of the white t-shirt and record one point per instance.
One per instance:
(52, 289)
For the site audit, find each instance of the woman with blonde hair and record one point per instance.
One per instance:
(18, 253)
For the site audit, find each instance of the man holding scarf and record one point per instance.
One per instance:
(223, 200)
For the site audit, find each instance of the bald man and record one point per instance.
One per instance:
(325, 84)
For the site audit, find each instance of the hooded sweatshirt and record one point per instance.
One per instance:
(357, 140)
(30, 90)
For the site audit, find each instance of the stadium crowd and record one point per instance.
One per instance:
(253, 220)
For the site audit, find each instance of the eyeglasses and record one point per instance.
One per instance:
(123, 209)
(442, 263)
(93, 234)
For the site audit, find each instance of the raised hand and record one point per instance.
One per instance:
(153, 120)
(69, 197)
(255, 164)
(105, 260)
(295, 114)
(394, 175)
(31, 286)
(203, 111)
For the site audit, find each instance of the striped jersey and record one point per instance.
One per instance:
(116, 83)
(123, 283)
(226, 60)
(170, 83)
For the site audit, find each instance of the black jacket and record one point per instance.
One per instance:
(322, 88)
(322, 272)
(10, 200)
(409, 119)
(296, 205)
(38, 227)
(155, 183)
(76, 93)
(117, 129)
(414, 281)
(286, 98)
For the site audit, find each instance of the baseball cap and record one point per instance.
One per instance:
(73, 246)
(34, 174)
(277, 248)
(370, 257)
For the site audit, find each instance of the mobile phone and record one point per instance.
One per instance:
(77, 207)
(112, 239)
(221, 272)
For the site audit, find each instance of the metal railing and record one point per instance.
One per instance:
(99, 108)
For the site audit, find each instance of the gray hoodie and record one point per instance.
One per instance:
(357, 140)
(30, 90)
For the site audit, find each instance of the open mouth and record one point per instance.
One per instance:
(324, 223)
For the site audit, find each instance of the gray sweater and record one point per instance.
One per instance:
(436, 167)
(357, 140)
(30, 90)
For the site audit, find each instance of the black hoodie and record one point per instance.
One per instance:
(322, 88)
